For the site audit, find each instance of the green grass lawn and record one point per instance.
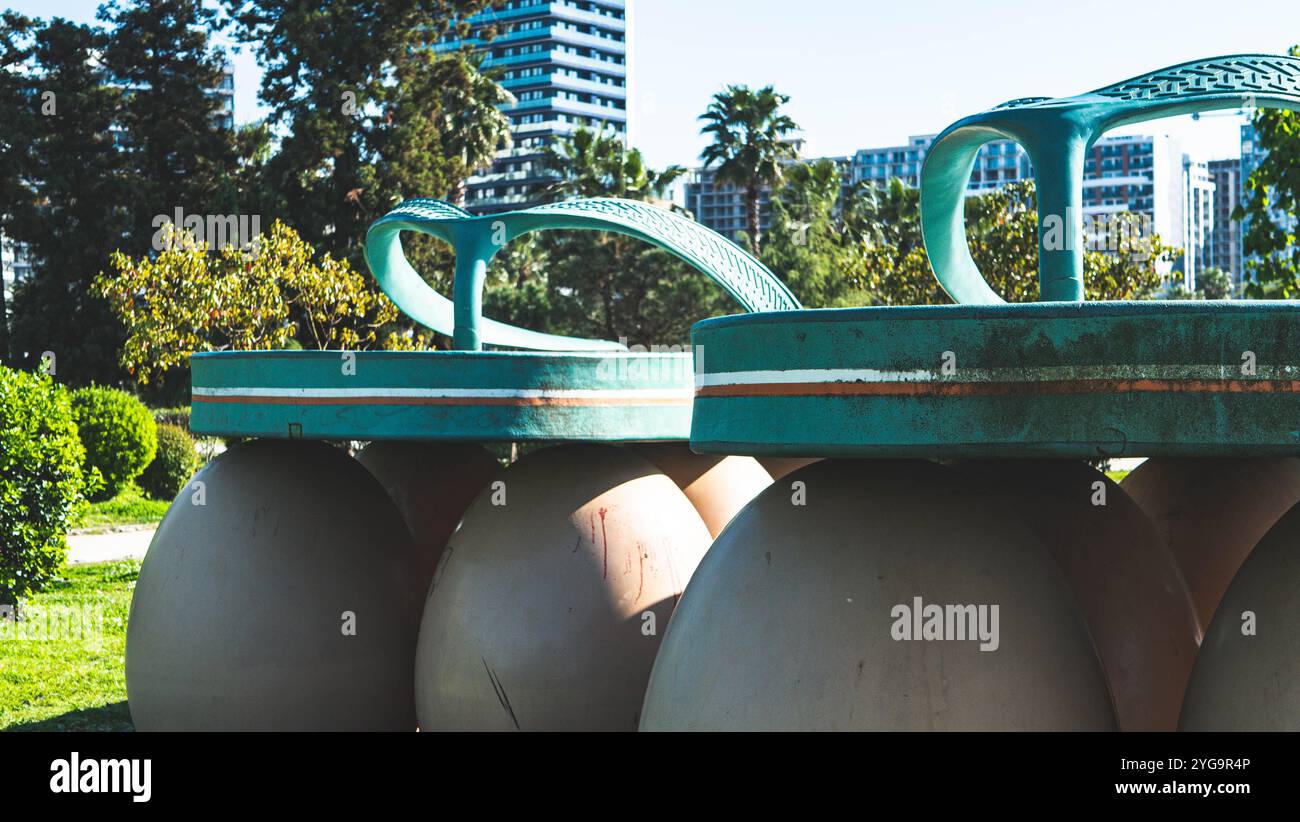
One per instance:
(130, 507)
(75, 681)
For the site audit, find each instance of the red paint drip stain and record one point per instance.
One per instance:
(640, 560)
(604, 539)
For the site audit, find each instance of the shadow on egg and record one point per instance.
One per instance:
(550, 601)
(800, 617)
(286, 600)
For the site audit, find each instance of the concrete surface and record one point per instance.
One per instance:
(110, 546)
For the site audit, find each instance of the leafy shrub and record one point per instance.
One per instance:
(268, 295)
(42, 484)
(208, 448)
(179, 417)
(173, 465)
(119, 435)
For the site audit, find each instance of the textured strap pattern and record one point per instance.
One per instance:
(1248, 74)
(1057, 134)
(425, 208)
(478, 239)
(1021, 101)
(753, 285)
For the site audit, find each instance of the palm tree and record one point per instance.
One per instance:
(605, 283)
(474, 127)
(812, 189)
(751, 144)
(596, 163)
(883, 215)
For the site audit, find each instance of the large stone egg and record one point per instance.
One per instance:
(1123, 575)
(717, 486)
(1212, 512)
(779, 467)
(1247, 676)
(432, 484)
(277, 594)
(804, 615)
(550, 600)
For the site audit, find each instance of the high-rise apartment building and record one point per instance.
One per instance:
(721, 207)
(15, 266)
(1198, 220)
(1252, 154)
(1145, 175)
(566, 62)
(998, 163)
(1149, 176)
(1225, 243)
(880, 165)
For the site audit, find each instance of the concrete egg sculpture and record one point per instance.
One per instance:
(1247, 675)
(1212, 513)
(886, 595)
(1122, 574)
(549, 603)
(432, 484)
(717, 486)
(277, 594)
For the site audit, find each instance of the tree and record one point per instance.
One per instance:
(809, 244)
(608, 285)
(598, 284)
(17, 133)
(69, 206)
(1003, 230)
(119, 125)
(1215, 283)
(1271, 211)
(873, 253)
(888, 215)
(473, 126)
(1002, 233)
(441, 125)
(596, 163)
(185, 300)
(751, 145)
(355, 138)
(176, 148)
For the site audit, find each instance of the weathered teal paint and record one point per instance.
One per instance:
(443, 395)
(1057, 133)
(578, 390)
(1039, 379)
(478, 239)
(1061, 377)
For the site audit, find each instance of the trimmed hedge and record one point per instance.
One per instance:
(172, 466)
(42, 484)
(119, 435)
(178, 416)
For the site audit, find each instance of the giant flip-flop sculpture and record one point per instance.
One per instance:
(986, 380)
(877, 590)
(651, 507)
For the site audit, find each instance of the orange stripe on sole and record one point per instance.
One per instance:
(993, 389)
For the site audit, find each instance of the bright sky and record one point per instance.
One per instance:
(864, 73)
